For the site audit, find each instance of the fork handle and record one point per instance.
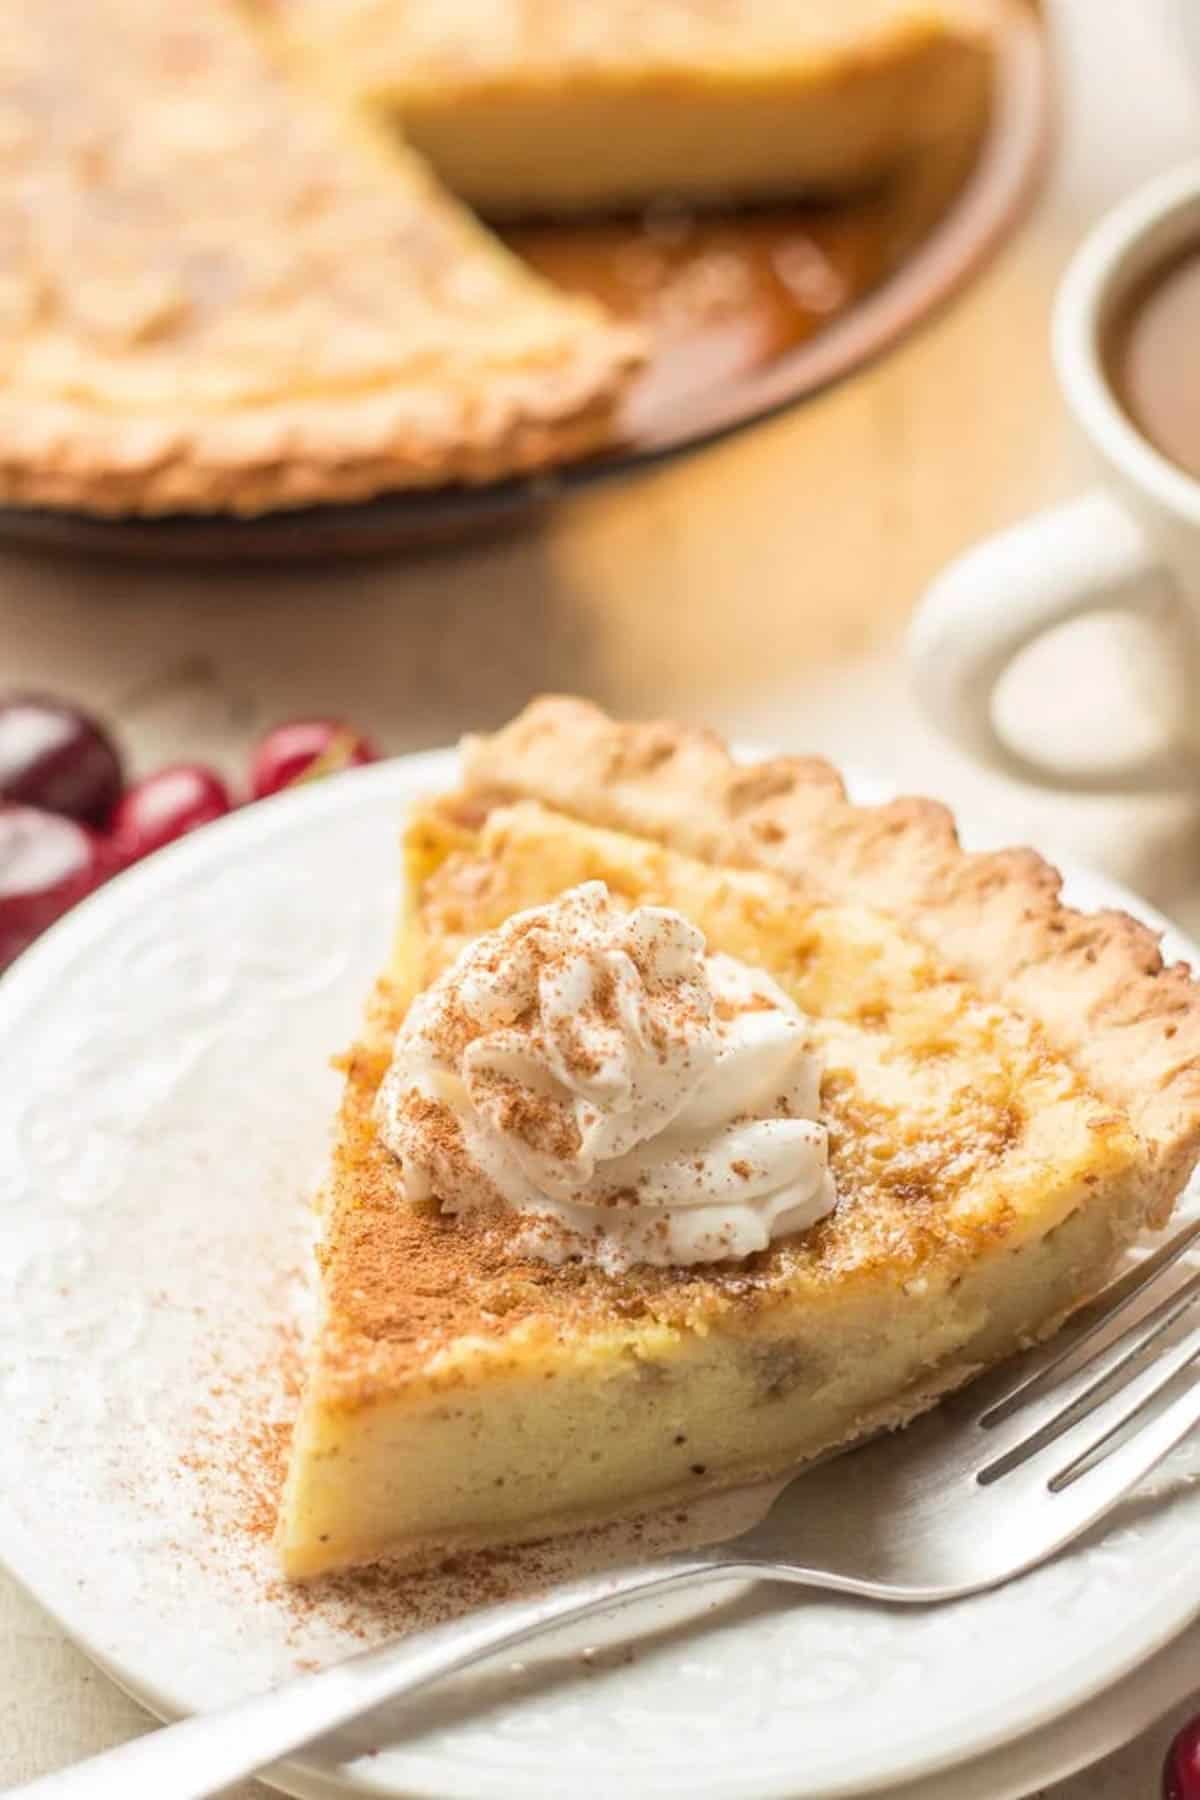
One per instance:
(203, 1754)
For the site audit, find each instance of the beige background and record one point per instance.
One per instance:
(763, 585)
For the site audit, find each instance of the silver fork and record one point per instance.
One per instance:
(995, 1480)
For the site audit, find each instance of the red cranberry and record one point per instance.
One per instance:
(47, 864)
(304, 750)
(164, 806)
(1181, 1773)
(54, 757)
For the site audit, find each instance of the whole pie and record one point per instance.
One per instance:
(227, 284)
(705, 1122)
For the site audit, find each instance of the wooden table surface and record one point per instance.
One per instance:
(763, 585)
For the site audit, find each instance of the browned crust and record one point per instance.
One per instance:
(293, 455)
(1095, 982)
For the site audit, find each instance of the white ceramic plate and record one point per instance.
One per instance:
(163, 1112)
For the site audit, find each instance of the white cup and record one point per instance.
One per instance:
(1130, 545)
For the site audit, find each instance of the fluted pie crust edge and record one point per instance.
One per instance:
(1096, 982)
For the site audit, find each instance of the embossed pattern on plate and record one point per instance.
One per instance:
(162, 1118)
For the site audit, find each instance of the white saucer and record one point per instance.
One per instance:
(162, 1116)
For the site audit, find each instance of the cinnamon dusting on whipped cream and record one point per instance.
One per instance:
(629, 1097)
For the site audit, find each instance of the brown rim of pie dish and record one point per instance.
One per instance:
(817, 292)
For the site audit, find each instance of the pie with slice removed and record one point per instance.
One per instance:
(227, 286)
(559, 106)
(219, 293)
(1009, 1092)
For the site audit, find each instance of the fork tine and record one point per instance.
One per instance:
(1087, 1324)
(1096, 1481)
(1183, 1408)
(1083, 1438)
(1073, 1397)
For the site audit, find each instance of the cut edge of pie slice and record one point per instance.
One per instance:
(527, 110)
(225, 293)
(1012, 1091)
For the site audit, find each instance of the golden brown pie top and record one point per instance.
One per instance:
(216, 292)
(993, 1061)
(952, 1124)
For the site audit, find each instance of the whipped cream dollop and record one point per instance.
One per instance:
(633, 1098)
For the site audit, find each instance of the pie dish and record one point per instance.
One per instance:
(524, 108)
(227, 288)
(1011, 1092)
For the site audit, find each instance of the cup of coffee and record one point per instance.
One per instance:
(1126, 339)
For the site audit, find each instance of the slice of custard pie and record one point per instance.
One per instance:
(705, 1122)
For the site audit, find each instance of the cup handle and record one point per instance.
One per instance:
(1089, 555)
